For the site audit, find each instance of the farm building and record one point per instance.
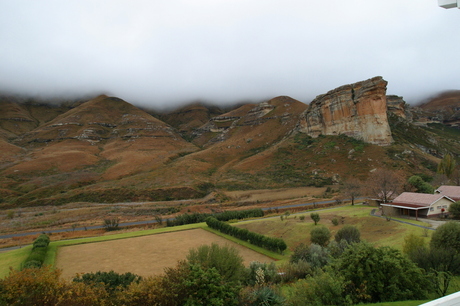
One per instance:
(452, 192)
(418, 205)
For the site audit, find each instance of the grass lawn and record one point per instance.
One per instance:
(375, 230)
(13, 259)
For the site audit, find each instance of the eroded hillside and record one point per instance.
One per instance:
(107, 150)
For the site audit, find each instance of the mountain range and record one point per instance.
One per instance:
(107, 150)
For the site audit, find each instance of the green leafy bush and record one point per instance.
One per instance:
(315, 217)
(110, 280)
(349, 233)
(320, 235)
(38, 254)
(447, 236)
(269, 243)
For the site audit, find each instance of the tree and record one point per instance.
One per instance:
(447, 236)
(447, 165)
(111, 224)
(454, 210)
(384, 184)
(225, 259)
(380, 274)
(349, 233)
(352, 189)
(320, 235)
(315, 217)
(413, 243)
(420, 185)
(440, 264)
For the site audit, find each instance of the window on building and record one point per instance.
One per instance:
(431, 208)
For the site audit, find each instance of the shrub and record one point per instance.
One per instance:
(269, 243)
(335, 221)
(447, 236)
(315, 217)
(111, 224)
(225, 259)
(380, 274)
(412, 243)
(302, 218)
(440, 265)
(349, 233)
(420, 185)
(320, 235)
(454, 210)
(253, 274)
(295, 270)
(44, 287)
(325, 288)
(266, 296)
(111, 281)
(315, 255)
(38, 254)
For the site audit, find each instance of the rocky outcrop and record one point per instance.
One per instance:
(396, 105)
(358, 110)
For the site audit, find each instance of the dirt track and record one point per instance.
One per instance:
(147, 255)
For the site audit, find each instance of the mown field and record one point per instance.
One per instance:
(145, 255)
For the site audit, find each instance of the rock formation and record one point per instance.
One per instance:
(399, 107)
(358, 110)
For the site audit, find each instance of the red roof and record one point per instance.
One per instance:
(412, 199)
(452, 192)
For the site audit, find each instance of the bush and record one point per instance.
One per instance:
(447, 236)
(440, 265)
(295, 270)
(38, 254)
(258, 270)
(43, 287)
(335, 221)
(320, 235)
(454, 210)
(266, 296)
(349, 233)
(223, 216)
(413, 243)
(111, 224)
(269, 243)
(111, 281)
(225, 259)
(316, 255)
(420, 185)
(315, 217)
(325, 288)
(380, 274)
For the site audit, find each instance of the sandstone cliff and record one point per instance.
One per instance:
(358, 110)
(399, 107)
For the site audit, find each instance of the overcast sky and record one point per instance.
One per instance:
(165, 52)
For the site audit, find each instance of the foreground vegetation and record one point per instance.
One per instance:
(328, 264)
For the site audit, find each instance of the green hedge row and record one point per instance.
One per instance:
(269, 243)
(38, 253)
(223, 216)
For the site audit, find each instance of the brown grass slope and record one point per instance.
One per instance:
(107, 150)
(102, 139)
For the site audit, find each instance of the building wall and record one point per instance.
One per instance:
(436, 208)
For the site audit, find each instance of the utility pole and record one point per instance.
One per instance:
(447, 4)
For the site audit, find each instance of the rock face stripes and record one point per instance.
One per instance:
(357, 110)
